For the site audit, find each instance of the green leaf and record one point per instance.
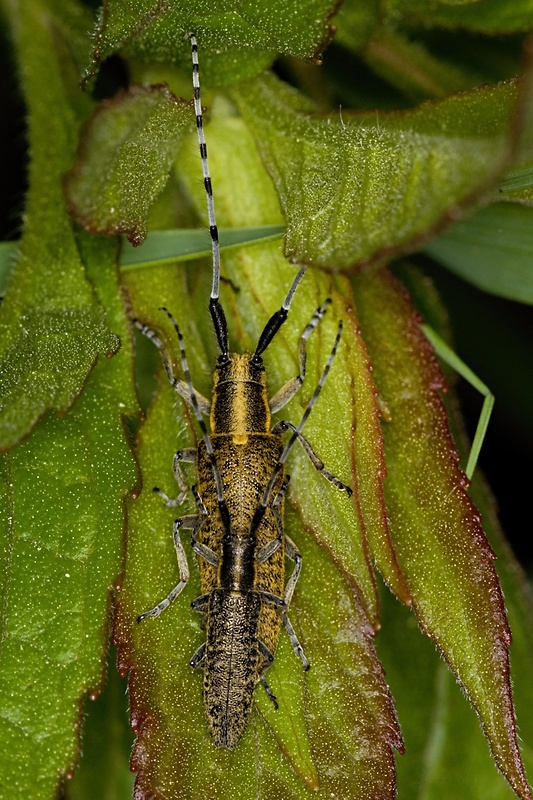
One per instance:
(104, 771)
(357, 187)
(446, 753)
(335, 727)
(62, 490)
(369, 22)
(435, 528)
(492, 249)
(416, 51)
(484, 16)
(413, 69)
(518, 184)
(239, 41)
(124, 160)
(448, 756)
(356, 23)
(170, 246)
(52, 327)
(8, 252)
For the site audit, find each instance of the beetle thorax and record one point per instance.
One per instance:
(240, 401)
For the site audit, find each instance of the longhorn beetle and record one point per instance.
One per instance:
(238, 531)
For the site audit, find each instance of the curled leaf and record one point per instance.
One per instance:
(360, 186)
(240, 40)
(124, 160)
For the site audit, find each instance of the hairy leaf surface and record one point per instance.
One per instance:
(357, 187)
(52, 327)
(124, 160)
(241, 38)
(435, 528)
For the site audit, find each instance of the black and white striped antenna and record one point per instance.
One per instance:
(217, 312)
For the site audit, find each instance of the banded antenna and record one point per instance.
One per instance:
(217, 312)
